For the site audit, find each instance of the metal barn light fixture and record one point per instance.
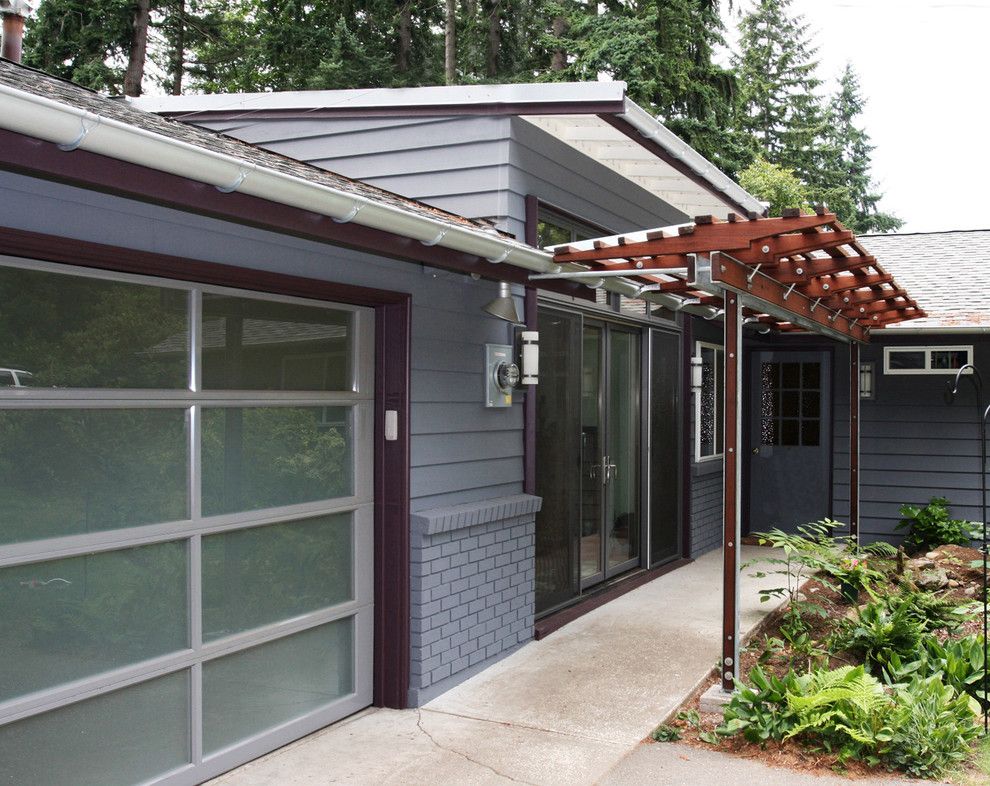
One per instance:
(504, 306)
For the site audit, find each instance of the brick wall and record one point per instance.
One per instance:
(472, 595)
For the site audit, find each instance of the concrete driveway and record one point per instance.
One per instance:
(570, 709)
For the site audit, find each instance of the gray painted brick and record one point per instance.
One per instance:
(472, 587)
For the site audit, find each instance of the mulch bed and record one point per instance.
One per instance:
(954, 560)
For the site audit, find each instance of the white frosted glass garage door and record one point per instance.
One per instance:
(185, 524)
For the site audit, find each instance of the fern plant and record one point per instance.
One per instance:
(846, 709)
(878, 631)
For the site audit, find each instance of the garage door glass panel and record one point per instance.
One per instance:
(71, 618)
(253, 691)
(266, 457)
(73, 332)
(75, 471)
(256, 576)
(124, 737)
(253, 344)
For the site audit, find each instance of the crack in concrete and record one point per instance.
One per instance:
(431, 738)
(529, 727)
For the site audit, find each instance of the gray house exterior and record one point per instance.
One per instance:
(257, 412)
(251, 481)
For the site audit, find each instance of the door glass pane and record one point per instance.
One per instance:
(253, 344)
(623, 520)
(125, 737)
(73, 471)
(665, 459)
(72, 332)
(252, 691)
(558, 459)
(262, 457)
(707, 411)
(260, 575)
(592, 451)
(71, 618)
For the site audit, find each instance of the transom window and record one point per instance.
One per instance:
(926, 360)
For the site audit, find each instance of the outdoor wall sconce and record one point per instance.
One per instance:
(866, 381)
(530, 357)
(504, 306)
(696, 371)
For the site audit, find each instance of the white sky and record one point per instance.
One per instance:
(924, 67)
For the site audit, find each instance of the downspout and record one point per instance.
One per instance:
(71, 128)
(13, 12)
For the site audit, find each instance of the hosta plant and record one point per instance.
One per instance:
(878, 631)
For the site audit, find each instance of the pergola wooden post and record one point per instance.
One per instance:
(854, 441)
(731, 489)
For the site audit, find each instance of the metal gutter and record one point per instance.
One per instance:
(73, 128)
(893, 330)
(654, 131)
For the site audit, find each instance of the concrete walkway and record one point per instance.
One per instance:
(570, 709)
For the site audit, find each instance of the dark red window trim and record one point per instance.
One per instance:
(392, 339)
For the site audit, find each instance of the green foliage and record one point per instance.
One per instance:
(958, 662)
(760, 711)
(85, 41)
(879, 630)
(774, 184)
(923, 726)
(932, 612)
(933, 728)
(931, 526)
(844, 709)
(665, 733)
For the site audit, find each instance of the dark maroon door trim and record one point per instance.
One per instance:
(392, 339)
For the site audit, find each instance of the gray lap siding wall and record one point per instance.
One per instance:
(460, 451)
(913, 446)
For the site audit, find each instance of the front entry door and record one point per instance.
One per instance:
(790, 439)
(610, 430)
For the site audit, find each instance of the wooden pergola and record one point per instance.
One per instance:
(798, 273)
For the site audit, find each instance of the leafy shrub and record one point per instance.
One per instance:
(931, 526)
(880, 629)
(958, 662)
(924, 727)
(932, 727)
(759, 711)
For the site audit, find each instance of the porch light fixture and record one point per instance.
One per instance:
(504, 306)
(866, 381)
(530, 357)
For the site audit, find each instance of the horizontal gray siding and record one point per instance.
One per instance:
(461, 452)
(913, 446)
(455, 163)
(480, 167)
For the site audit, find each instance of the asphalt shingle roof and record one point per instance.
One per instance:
(41, 84)
(948, 273)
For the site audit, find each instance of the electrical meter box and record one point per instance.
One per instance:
(501, 375)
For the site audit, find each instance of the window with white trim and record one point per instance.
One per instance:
(926, 360)
(709, 401)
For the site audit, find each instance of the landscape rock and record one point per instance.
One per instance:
(969, 591)
(953, 583)
(932, 554)
(921, 564)
(933, 579)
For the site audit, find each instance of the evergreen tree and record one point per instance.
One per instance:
(845, 184)
(85, 41)
(780, 105)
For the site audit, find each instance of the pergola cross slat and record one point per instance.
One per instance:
(796, 265)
